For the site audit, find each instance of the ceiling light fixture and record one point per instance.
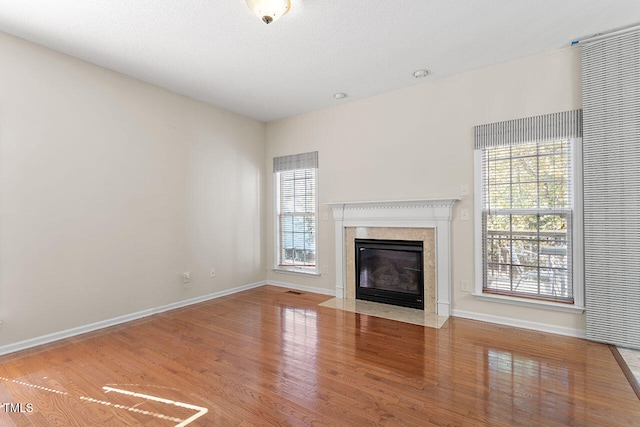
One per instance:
(339, 95)
(269, 10)
(421, 73)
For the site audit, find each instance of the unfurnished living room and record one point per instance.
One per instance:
(319, 213)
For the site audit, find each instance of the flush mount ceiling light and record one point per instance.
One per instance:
(339, 95)
(269, 10)
(421, 73)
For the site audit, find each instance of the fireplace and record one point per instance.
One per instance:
(420, 220)
(390, 271)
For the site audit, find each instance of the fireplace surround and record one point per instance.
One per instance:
(427, 219)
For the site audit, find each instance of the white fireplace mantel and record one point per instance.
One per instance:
(427, 213)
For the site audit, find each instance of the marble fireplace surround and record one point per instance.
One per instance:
(428, 220)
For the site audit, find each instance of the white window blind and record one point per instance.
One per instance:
(296, 211)
(527, 206)
(611, 103)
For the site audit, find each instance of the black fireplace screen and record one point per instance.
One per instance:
(390, 271)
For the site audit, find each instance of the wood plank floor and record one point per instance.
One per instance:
(271, 357)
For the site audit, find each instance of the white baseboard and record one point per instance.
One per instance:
(56, 336)
(525, 324)
(322, 291)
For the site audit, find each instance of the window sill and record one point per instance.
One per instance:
(298, 271)
(546, 305)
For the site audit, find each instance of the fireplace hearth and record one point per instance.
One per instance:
(390, 272)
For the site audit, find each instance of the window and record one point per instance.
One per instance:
(528, 221)
(296, 212)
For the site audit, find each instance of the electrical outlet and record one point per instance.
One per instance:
(325, 269)
(186, 277)
(464, 190)
(464, 286)
(212, 272)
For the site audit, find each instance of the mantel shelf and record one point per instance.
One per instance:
(396, 203)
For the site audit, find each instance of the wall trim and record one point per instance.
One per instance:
(79, 330)
(525, 324)
(68, 333)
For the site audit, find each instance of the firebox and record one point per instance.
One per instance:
(390, 271)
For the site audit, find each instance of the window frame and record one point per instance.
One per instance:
(278, 265)
(577, 239)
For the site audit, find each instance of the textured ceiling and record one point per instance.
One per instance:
(217, 51)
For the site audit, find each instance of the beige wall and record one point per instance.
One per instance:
(110, 188)
(418, 143)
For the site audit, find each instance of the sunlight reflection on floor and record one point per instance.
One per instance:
(134, 406)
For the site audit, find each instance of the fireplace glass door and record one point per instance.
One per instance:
(390, 271)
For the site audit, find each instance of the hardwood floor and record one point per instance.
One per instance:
(272, 357)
